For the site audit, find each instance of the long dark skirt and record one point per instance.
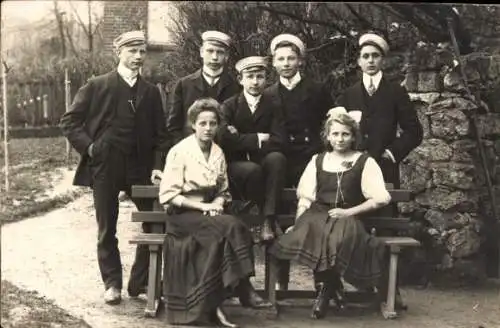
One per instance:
(323, 243)
(205, 258)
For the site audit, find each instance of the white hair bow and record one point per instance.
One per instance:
(354, 114)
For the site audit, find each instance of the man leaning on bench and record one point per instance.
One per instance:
(245, 147)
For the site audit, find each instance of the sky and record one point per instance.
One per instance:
(19, 15)
(19, 12)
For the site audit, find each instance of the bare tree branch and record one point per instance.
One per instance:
(70, 41)
(365, 24)
(78, 18)
(300, 18)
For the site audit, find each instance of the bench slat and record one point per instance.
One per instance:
(148, 239)
(288, 194)
(400, 241)
(284, 220)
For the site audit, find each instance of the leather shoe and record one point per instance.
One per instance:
(320, 305)
(112, 296)
(219, 318)
(249, 298)
(134, 292)
(266, 232)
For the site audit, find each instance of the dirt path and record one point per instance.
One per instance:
(54, 254)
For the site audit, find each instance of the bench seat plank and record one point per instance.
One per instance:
(148, 239)
(400, 241)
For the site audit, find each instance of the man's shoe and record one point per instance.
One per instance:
(112, 296)
(135, 292)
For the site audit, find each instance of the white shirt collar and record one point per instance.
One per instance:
(210, 75)
(252, 101)
(127, 74)
(291, 83)
(376, 79)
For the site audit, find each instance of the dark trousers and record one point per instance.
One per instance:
(297, 157)
(261, 182)
(113, 171)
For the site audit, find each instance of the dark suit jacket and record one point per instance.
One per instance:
(186, 91)
(267, 118)
(92, 110)
(315, 100)
(389, 108)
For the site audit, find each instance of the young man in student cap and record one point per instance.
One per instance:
(303, 101)
(116, 123)
(252, 138)
(304, 104)
(384, 106)
(211, 80)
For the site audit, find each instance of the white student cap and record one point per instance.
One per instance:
(372, 38)
(288, 38)
(217, 37)
(130, 38)
(251, 63)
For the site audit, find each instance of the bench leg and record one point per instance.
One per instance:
(271, 277)
(152, 300)
(388, 309)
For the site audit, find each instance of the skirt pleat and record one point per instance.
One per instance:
(205, 258)
(323, 243)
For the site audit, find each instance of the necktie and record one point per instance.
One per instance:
(371, 88)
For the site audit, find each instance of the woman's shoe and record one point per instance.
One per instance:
(338, 297)
(320, 305)
(220, 319)
(248, 296)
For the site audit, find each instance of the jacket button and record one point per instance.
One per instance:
(365, 135)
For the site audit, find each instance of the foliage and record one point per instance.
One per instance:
(330, 31)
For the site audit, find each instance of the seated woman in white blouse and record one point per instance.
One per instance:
(208, 254)
(335, 190)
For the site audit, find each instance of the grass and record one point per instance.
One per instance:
(27, 309)
(33, 165)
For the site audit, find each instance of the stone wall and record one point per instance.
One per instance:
(445, 171)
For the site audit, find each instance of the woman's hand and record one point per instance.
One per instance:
(212, 209)
(339, 213)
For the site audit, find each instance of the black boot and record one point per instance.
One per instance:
(338, 294)
(320, 305)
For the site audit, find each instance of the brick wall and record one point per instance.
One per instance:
(122, 16)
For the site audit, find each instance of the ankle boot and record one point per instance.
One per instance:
(320, 305)
(338, 294)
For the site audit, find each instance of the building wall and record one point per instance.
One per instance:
(122, 16)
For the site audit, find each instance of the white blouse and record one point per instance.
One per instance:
(372, 180)
(187, 173)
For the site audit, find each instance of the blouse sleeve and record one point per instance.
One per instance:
(223, 193)
(173, 177)
(372, 182)
(306, 190)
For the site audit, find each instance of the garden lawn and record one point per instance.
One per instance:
(34, 165)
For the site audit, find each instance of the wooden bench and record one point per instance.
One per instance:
(154, 241)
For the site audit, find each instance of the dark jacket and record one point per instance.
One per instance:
(267, 118)
(186, 91)
(94, 107)
(315, 100)
(388, 111)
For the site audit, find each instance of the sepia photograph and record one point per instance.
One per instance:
(249, 164)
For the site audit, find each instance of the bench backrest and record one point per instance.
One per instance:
(288, 194)
(381, 222)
